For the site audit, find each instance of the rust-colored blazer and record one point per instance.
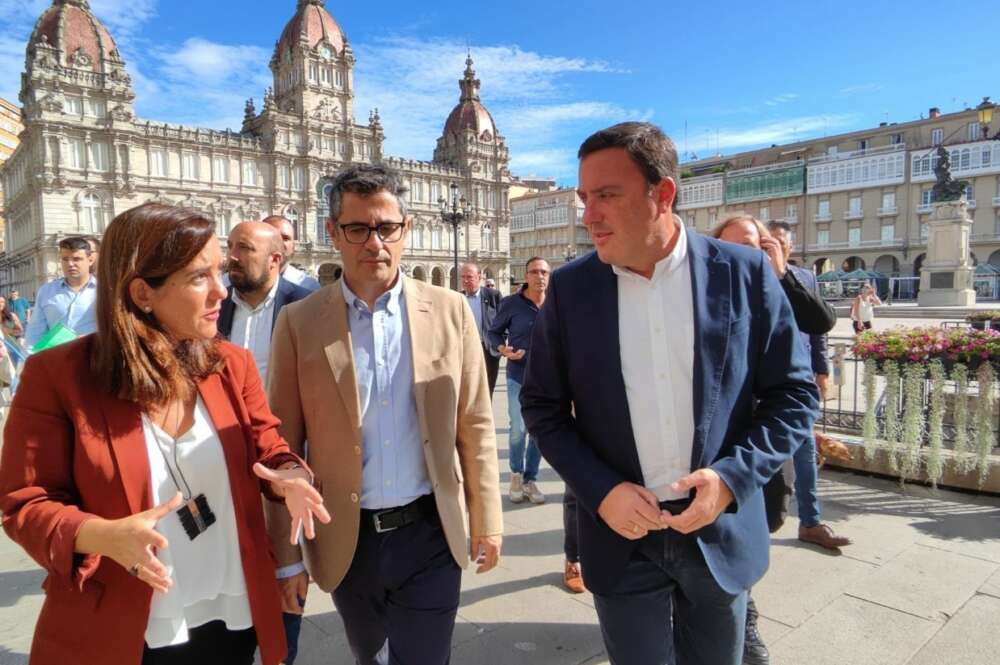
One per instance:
(71, 451)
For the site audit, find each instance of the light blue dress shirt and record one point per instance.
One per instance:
(476, 303)
(56, 302)
(394, 472)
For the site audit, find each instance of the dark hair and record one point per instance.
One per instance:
(778, 224)
(5, 313)
(366, 180)
(651, 150)
(76, 244)
(532, 260)
(134, 356)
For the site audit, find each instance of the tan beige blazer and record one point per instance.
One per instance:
(313, 390)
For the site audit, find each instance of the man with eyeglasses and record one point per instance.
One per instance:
(510, 335)
(386, 375)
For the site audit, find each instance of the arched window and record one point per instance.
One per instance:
(292, 214)
(91, 214)
(322, 212)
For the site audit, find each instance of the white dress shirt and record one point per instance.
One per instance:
(656, 329)
(300, 278)
(252, 328)
(207, 572)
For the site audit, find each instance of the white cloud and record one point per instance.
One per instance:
(414, 84)
(123, 17)
(786, 130)
(208, 63)
(784, 98)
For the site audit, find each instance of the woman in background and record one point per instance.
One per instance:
(863, 309)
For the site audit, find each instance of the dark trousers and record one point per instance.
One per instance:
(669, 610)
(400, 596)
(571, 540)
(210, 644)
(293, 626)
(492, 369)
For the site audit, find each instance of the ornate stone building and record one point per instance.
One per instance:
(10, 129)
(85, 157)
(548, 224)
(859, 200)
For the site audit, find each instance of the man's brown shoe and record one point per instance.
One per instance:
(822, 535)
(572, 578)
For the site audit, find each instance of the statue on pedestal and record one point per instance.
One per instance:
(946, 188)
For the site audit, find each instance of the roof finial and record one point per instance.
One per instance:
(469, 84)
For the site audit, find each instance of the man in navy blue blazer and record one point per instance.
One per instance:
(666, 384)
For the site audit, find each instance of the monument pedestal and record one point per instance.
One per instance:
(947, 273)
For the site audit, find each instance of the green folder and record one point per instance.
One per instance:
(57, 334)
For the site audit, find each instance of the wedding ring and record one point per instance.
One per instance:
(134, 570)
(635, 528)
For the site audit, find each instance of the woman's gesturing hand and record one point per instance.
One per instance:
(301, 498)
(132, 542)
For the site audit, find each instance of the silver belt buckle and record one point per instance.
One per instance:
(377, 518)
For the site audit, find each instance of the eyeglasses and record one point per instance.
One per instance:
(358, 234)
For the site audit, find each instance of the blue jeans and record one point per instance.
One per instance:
(521, 461)
(667, 609)
(806, 495)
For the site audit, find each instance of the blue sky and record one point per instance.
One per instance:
(723, 76)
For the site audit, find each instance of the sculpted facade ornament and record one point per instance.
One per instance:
(121, 113)
(79, 58)
(326, 110)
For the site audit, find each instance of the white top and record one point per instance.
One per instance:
(866, 311)
(252, 328)
(207, 572)
(300, 277)
(656, 329)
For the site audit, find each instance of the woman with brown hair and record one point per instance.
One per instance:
(12, 326)
(151, 432)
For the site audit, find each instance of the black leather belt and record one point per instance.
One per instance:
(391, 519)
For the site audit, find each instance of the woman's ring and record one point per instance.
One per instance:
(635, 528)
(134, 570)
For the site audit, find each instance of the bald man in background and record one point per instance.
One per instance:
(289, 272)
(257, 290)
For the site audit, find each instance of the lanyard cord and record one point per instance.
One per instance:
(170, 470)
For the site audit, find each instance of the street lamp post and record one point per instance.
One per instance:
(570, 253)
(454, 214)
(985, 110)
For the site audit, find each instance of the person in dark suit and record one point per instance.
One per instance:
(155, 433)
(484, 302)
(811, 528)
(815, 318)
(666, 384)
(257, 291)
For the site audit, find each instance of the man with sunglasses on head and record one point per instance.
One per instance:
(397, 411)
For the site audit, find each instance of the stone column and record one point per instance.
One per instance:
(947, 273)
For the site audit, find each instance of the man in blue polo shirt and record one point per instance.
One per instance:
(69, 300)
(510, 334)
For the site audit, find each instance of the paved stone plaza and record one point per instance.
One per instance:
(921, 586)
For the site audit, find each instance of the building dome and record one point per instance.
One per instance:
(82, 41)
(312, 25)
(470, 114)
